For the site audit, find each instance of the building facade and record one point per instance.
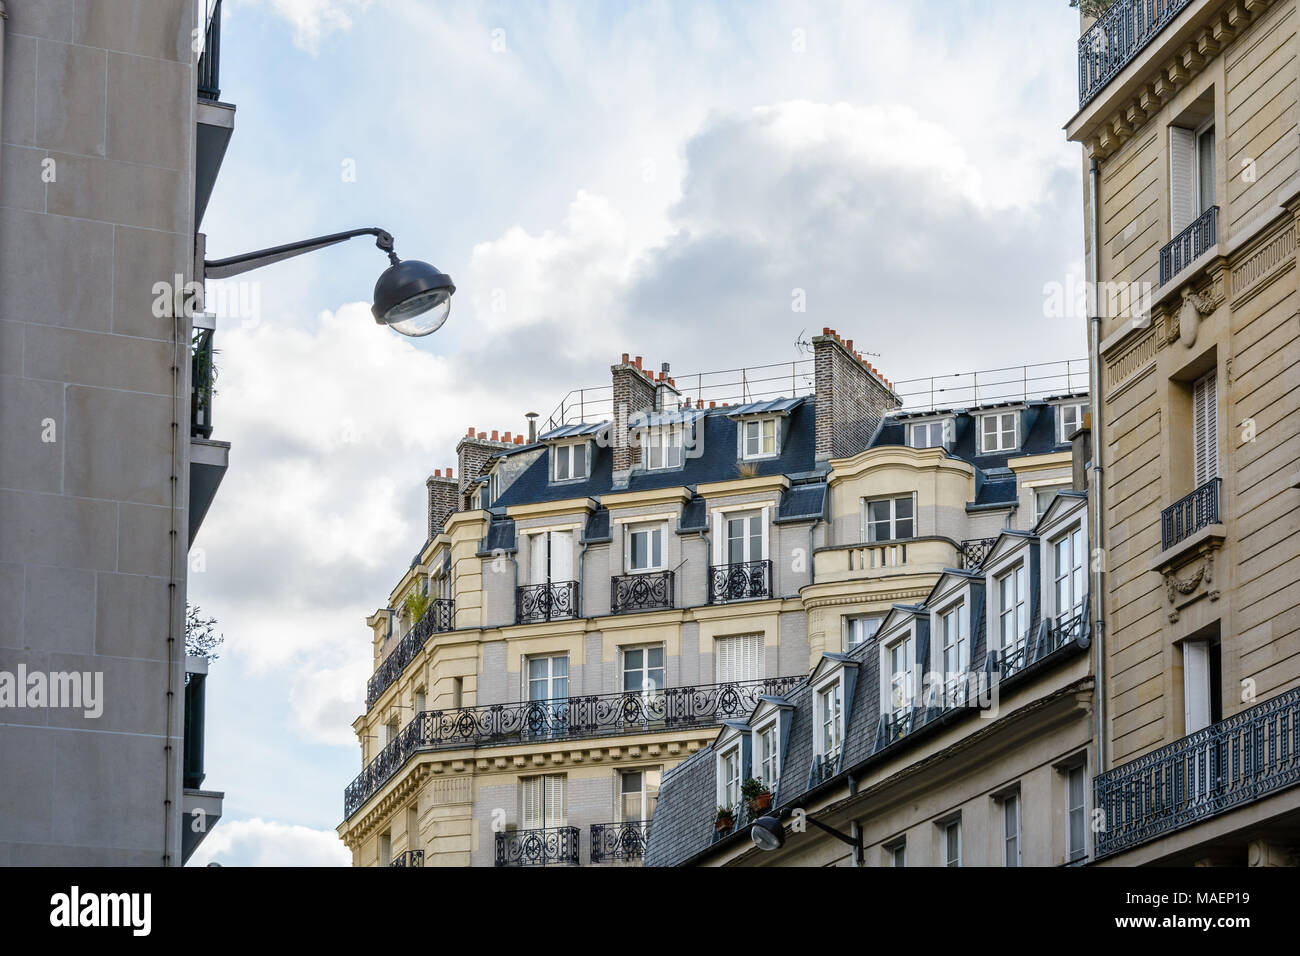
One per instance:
(108, 151)
(1188, 123)
(947, 716)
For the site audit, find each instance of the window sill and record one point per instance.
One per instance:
(1171, 559)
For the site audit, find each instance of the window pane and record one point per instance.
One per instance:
(579, 461)
(903, 507)
(561, 463)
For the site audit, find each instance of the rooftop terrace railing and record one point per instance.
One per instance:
(1118, 36)
(209, 70)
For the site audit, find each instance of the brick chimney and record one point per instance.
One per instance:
(473, 452)
(852, 397)
(634, 391)
(444, 497)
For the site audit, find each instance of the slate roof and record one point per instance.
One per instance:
(1038, 434)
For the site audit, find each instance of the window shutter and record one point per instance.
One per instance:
(1182, 179)
(722, 661)
(719, 542)
(1205, 416)
(555, 816)
(532, 792)
(561, 556)
(766, 553)
(537, 558)
(1196, 686)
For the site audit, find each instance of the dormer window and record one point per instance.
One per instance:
(999, 431)
(1069, 419)
(767, 751)
(830, 720)
(729, 777)
(954, 644)
(928, 434)
(759, 438)
(570, 462)
(898, 673)
(663, 448)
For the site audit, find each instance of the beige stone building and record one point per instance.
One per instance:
(1188, 122)
(111, 133)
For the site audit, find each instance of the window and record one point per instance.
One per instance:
(1068, 570)
(1191, 175)
(643, 669)
(1013, 610)
(859, 630)
(901, 673)
(738, 658)
(956, 651)
(645, 548)
(998, 432)
(638, 791)
(391, 730)
(663, 448)
(952, 843)
(830, 720)
(570, 461)
(896, 853)
(729, 778)
(543, 801)
(421, 701)
(1076, 813)
(1011, 830)
(1205, 425)
(758, 438)
(385, 848)
(548, 677)
(1069, 419)
(927, 434)
(1043, 498)
(744, 539)
(769, 755)
(550, 557)
(889, 519)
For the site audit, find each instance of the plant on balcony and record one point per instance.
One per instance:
(416, 605)
(758, 796)
(747, 469)
(726, 819)
(1091, 8)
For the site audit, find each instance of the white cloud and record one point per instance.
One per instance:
(258, 842)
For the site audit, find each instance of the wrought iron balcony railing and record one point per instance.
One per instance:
(974, 551)
(408, 858)
(823, 768)
(555, 601)
(551, 846)
(1233, 762)
(1027, 650)
(1190, 514)
(439, 617)
(566, 718)
(203, 376)
(743, 581)
(619, 842)
(1117, 37)
(640, 592)
(1181, 251)
(210, 59)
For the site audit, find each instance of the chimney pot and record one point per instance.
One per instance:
(519, 439)
(494, 435)
(470, 433)
(482, 435)
(713, 404)
(827, 331)
(624, 360)
(638, 361)
(449, 474)
(849, 343)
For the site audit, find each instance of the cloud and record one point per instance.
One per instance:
(258, 842)
(313, 20)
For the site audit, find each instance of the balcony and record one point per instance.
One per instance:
(551, 846)
(408, 858)
(853, 562)
(554, 601)
(1116, 39)
(1052, 637)
(974, 552)
(439, 617)
(569, 718)
(619, 842)
(214, 120)
(209, 71)
(209, 459)
(640, 592)
(746, 581)
(1190, 514)
(1181, 251)
(823, 768)
(1234, 762)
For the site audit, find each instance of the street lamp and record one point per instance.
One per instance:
(768, 834)
(411, 297)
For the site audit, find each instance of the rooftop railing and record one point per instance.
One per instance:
(209, 71)
(1190, 514)
(1117, 37)
(1230, 763)
(565, 718)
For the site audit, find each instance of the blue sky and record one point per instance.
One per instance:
(653, 178)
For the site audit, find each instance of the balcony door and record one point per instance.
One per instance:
(744, 539)
(638, 793)
(1205, 429)
(1191, 175)
(548, 680)
(550, 557)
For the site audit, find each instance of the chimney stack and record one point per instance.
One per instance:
(852, 397)
(473, 452)
(634, 391)
(443, 499)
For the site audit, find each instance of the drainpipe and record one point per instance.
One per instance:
(1096, 505)
(582, 553)
(4, 15)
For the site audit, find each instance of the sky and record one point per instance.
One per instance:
(672, 180)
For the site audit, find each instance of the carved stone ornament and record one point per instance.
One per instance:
(1176, 587)
(1195, 305)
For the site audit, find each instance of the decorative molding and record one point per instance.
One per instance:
(1126, 366)
(1256, 271)
(1176, 587)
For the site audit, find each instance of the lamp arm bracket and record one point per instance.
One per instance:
(248, 261)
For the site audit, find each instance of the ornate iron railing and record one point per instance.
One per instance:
(439, 617)
(203, 376)
(554, 601)
(408, 858)
(640, 592)
(974, 551)
(210, 59)
(823, 768)
(743, 581)
(562, 718)
(552, 846)
(1181, 251)
(1029, 649)
(1230, 763)
(619, 842)
(1117, 37)
(1190, 514)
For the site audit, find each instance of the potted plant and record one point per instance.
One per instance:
(757, 795)
(726, 819)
